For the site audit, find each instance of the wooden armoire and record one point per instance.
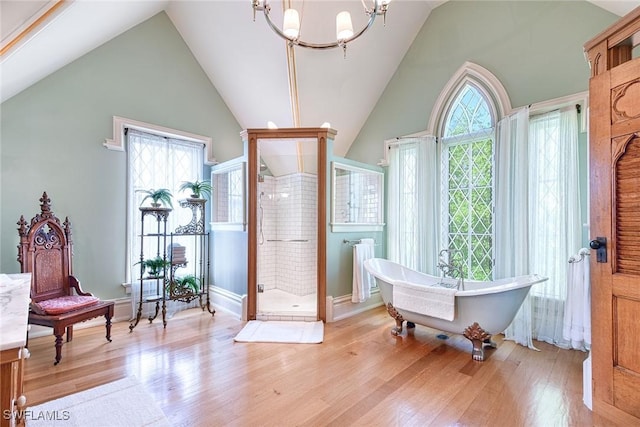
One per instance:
(614, 150)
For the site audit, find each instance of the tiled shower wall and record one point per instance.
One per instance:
(287, 246)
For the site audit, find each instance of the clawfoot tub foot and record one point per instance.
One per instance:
(399, 320)
(478, 338)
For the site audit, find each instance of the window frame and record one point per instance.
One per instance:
(465, 139)
(225, 168)
(117, 143)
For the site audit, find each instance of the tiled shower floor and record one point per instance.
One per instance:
(275, 304)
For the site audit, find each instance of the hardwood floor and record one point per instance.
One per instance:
(360, 375)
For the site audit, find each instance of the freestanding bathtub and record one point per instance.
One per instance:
(481, 309)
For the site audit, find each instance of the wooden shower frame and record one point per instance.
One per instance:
(251, 137)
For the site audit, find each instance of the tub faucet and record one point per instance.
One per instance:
(450, 268)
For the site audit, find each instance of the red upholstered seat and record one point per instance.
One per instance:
(60, 305)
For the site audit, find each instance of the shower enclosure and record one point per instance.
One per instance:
(287, 244)
(287, 223)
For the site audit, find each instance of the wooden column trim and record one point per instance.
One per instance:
(252, 136)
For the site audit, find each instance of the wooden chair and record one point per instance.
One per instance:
(45, 251)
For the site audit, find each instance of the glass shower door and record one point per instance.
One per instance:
(287, 229)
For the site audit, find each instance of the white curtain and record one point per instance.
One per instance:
(412, 231)
(155, 161)
(512, 193)
(554, 226)
(512, 212)
(555, 219)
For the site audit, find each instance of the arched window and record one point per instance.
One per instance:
(442, 195)
(467, 177)
(467, 112)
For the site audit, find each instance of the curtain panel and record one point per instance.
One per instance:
(547, 225)
(413, 203)
(512, 213)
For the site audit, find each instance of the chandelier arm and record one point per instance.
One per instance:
(372, 16)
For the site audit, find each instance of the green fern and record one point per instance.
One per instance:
(162, 195)
(198, 188)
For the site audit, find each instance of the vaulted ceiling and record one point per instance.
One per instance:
(244, 60)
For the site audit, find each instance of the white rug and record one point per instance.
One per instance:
(281, 331)
(123, 402)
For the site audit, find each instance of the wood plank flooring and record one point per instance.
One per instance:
(360, 375)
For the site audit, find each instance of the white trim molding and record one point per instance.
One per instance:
(388, 143)
(120, 123)
(230, 302)
(341, 307)
(580, 98)
(345, 227)
(472, 72)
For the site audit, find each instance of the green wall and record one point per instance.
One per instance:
(533, 48)
(52, 135)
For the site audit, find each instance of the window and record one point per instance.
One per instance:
(356, 198)
(451, 182)
(467, 181)
(228, 208)
(156, 161)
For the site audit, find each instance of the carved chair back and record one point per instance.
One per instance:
(45, 251)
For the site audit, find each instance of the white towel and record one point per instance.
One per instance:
(434, 301)
(577, 311)
(362, 280)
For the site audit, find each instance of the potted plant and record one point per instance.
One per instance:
(198, 189)
(186, 285)
(158, 197)
(154, 266)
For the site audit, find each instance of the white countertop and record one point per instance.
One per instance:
(14, 309)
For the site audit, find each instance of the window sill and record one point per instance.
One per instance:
(228, 226)
(349, 227)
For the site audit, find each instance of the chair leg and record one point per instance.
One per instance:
(108, 326)
(58, 348)
(69, 333)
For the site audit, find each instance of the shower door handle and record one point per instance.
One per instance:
(600, 245)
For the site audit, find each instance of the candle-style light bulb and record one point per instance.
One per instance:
(344, 27)
(291, 25)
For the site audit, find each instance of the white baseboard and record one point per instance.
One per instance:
(228, 301)
(337, 308)
(341, 307)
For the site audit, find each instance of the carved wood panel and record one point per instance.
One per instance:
(47, 272)
(627, 345)
(624, 101)
(626, 204)
(626, 350)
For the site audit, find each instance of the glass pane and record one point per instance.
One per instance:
(356, 195)
(468, 182)
(287, 227)
(459, 166)
(469, 113)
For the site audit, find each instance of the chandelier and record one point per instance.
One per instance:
(344, 28)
